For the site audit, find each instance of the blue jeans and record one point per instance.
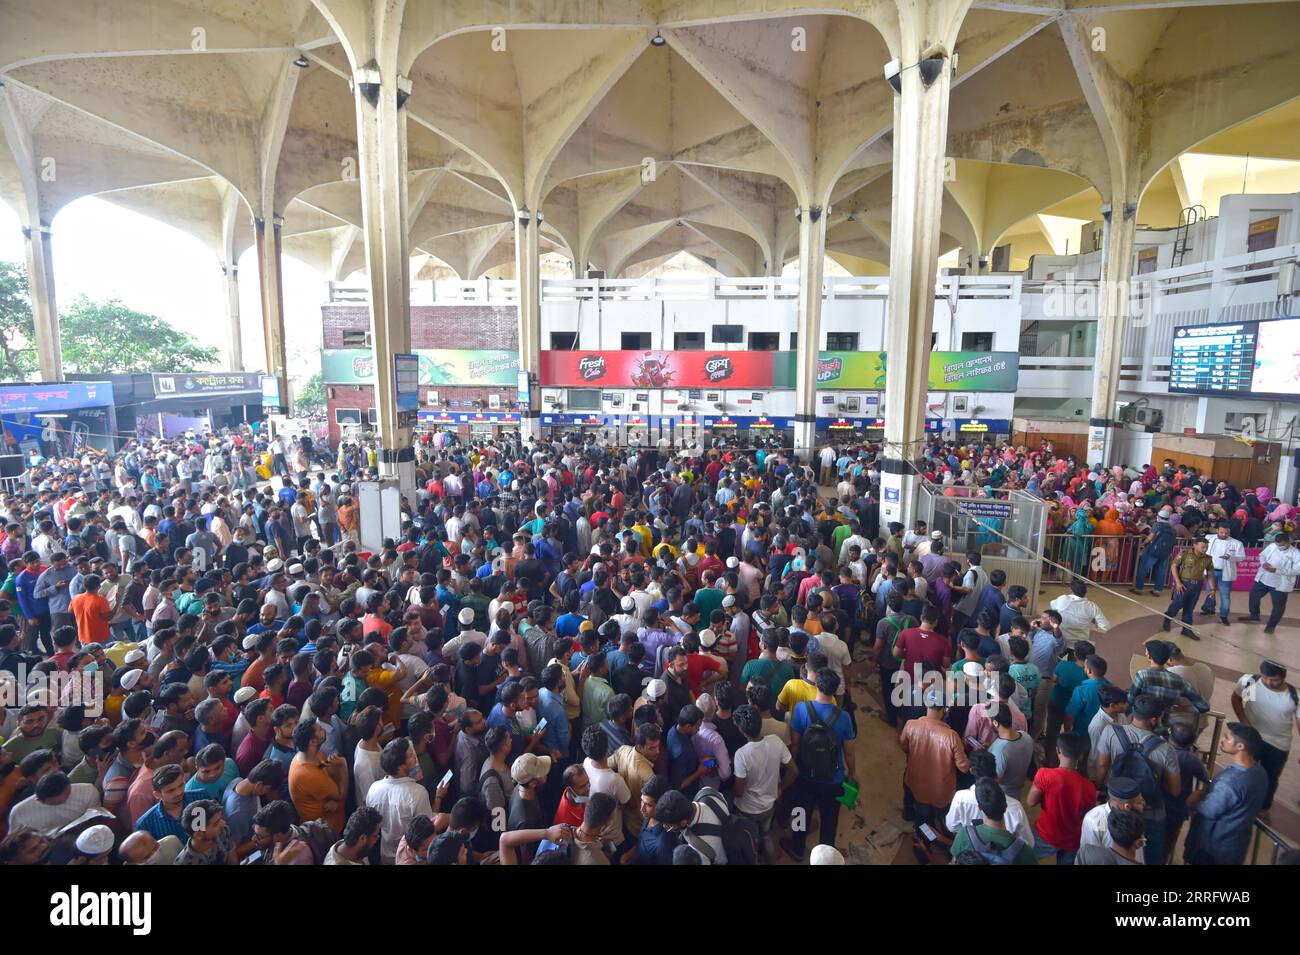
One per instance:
(1225, 592)
(1044, 849)
(1148, 561)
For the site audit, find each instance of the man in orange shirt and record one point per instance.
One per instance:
(318, 785)
(92, 612)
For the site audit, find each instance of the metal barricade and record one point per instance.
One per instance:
(1264, 833)
(1100, 558)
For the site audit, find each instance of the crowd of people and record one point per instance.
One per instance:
(581, 654)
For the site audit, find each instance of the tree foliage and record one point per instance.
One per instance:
(101, 338)
(310, 396)
(17, 333)
(98, 338)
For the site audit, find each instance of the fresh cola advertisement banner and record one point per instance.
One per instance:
(658, 369)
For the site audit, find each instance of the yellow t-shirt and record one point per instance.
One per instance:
(382, 679)
(795, 692)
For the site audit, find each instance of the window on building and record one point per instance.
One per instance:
(564, 341)
(373, 416)
(686, 341)
(934, 340)
(583, 399)
(360, 339)
(794, 341)
(764, 341)
(636, 341)
(347, 415)
(841, 341)
(1262, 234)
(976, 341)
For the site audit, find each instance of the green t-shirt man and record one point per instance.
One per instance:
(994, 838)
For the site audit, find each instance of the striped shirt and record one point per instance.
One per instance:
(31, 813)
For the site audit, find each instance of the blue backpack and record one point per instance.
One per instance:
(1135, 763)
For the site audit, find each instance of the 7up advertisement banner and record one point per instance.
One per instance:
(949, 370)
(438, 366)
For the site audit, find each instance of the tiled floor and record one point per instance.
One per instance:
(875, 832)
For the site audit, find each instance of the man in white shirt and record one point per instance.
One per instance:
(1225, 550)
(964, 809)
(397, 796)
(1267, 702)
(56, 803)
(1123, 793)
(1278, 566)
(756, 772)
(1079, 615)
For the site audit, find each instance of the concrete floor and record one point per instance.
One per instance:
(875, 832)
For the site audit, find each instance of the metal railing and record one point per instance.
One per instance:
(1266, 833)
(1101, 558)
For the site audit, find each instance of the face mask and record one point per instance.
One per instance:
(576, 799)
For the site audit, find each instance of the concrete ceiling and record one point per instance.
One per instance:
(193, 111)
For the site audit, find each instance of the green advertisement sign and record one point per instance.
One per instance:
(949, 371)
(438, 366)
(974, 370)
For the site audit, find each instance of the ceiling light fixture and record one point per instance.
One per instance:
(658, 39)
(302, 62)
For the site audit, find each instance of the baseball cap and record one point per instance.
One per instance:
(585, 626)
(655, 689)
(1122, 787)
(466, 616)
(529, 767)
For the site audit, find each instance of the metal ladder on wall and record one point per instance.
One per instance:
(1186, 219)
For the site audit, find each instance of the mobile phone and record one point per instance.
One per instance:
(541, 727)
(974, 743)
(929, 833)
(710, 763)
(446, 778)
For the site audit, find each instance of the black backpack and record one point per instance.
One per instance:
(739, 834)
(819, 746)
(992, 854)
(1135, 763)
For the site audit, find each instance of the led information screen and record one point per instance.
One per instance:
(1242, 358)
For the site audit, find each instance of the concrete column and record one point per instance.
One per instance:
(1116, 274)
(812, 258)
(528, 274)
(235, 352)
(231, 207)
(45, 310)
(270, 278)
(381, 134)
(920, 134)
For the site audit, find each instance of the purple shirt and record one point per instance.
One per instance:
(708, 744)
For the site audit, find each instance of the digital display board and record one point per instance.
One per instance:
(1213, 359)
(1260, 359)
(1277, 358)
